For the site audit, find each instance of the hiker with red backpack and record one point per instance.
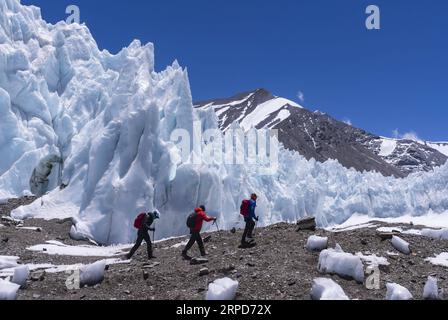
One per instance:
(248, 212)
(143, 223)
(194, 222)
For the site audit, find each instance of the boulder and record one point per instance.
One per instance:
(308, 223)
(204, 272)
(198, 261)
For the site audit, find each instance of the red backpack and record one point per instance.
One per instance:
(138, 221)
(245, 208)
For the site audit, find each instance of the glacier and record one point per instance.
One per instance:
(109, 119)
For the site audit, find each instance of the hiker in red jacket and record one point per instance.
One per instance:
(195, 230)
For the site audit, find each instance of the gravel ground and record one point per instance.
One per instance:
(278, 268)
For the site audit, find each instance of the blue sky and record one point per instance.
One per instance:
(392, 79)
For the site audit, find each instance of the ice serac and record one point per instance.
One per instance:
(110, 118)
(107, 117)
(32, 114)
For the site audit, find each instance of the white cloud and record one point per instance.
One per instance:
(347, 121)
(411, 135)
(396, 134)
(301, 96)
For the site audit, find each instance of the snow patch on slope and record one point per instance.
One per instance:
(58, 248)
(442, 147)
(439, 260)
(8, 262)
(231, 104)
(430, 219)
(51, 268)
(263, 111)
(387, 147)
(373, 259)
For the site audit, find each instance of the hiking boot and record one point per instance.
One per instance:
(245, 245)
(152, 257)
(185, 256)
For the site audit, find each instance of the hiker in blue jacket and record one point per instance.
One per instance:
(250, 221)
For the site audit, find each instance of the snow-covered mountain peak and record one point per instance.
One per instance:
(257, 109)
(318, 136)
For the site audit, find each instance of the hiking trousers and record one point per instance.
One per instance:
(195, 237)
(248, 231)
(142, 236)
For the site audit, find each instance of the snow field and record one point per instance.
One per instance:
(58, 248)
(436, 234)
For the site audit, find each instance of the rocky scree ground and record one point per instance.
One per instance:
(278, 268)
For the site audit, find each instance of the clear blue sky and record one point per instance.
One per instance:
(395, 78)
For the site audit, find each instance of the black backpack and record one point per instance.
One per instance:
(150, 218)
(191, 220)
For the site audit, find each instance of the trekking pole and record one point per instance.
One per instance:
(216, 223)
(255, 228)
(154, 235)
